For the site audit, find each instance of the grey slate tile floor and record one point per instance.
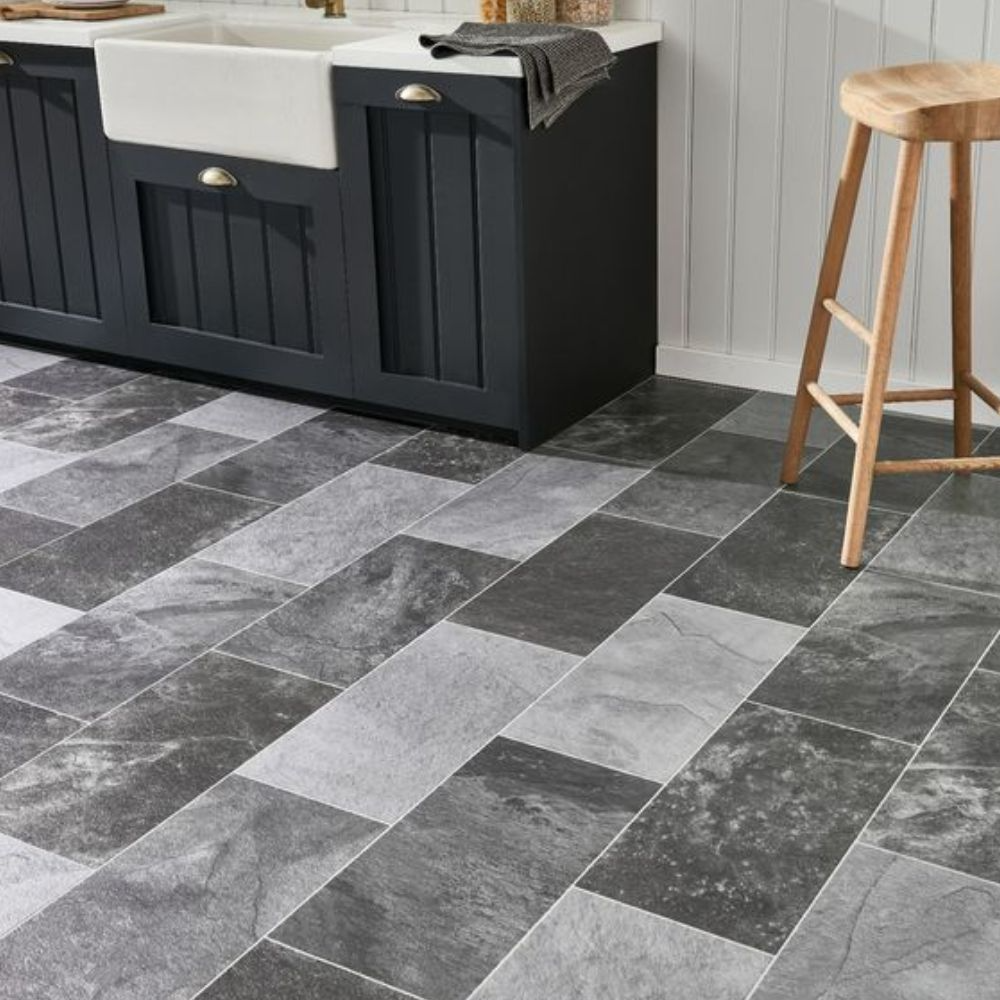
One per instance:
(296, 704)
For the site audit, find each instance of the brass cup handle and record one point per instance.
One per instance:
(418, 93)
(6, 59)
(216, 177)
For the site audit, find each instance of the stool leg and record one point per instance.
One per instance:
(829, 281)
(961, 292)
(879, 359)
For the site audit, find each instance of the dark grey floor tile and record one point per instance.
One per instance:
(95, 563)
(434, 453)
(769, 415)
(451, 889)
(272, 972)
(654, 419)
(168, 915)
(21, 462)
(784, 561)
(946, 807)
(15, 361)
(21, 532)
(344, 627)
(310, 454)
(25, 731)
(955, 539)
(94, 794)
(73, 378)
(590, 948)
(709, 485)
(902, 437)
(743, 838)
(573, 594)
(18, 406)
(888, 928)
(887, 657)
(113, 415)
(112, 653)
(122, 473)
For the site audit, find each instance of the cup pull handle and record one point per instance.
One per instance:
(216, 177)
(418, 93)
(6, 59)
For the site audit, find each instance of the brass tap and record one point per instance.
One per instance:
(331, 8)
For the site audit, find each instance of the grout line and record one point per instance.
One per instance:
(42, 708)
(992, 883)
(750, 700)
(656, 524)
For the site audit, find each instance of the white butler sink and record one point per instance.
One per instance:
(255, 89)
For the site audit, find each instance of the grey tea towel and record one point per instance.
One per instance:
(559, 62)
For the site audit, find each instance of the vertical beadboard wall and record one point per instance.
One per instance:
(750, 144)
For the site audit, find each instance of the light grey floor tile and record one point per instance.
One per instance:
(21, 532)
(73, 379)
(315, 536)
(16, 361)
(653, 693)
(524, 507)
(31, 879)
(26, 730)
(121, 473)
(132, 641)
(888, 928)
(380, 747)
(168, 915)
(769, 414)
(245, 415)
(21, 462)
(589, 948)
(24, 619)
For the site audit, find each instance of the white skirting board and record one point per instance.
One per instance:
(779, 376)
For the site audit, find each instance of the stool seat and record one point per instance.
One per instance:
(928, 102)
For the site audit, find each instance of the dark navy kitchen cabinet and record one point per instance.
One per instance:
(59, 277)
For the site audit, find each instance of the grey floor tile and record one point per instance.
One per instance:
(709, 485)
(273, 972)
(744, 837)
(242, 414)
(784, 561)
(21, 532)
(113, 415)
(887, 657)
(100, 561)
(654, 419)
(122, 473)
(514, 827)
(888, 928)
(30, 879)
(17, 406)
(386, 743)
(73, 378)
(168, 915)
(650, 696)
(575, 593)
(24, 618)
(348, 624)
(590, 948)
(527, 505)
(321, 533)
(434, 453)
(945, 808)
(98, 791)
(134, 640)
(769, 415)
(16, 361)
(26, 730)
(955, 539)
(300, 459)
(21, 462)
(902, 437)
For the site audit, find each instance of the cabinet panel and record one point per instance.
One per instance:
(58, 267)
(246, 281)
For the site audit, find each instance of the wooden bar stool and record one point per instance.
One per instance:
(957, 103)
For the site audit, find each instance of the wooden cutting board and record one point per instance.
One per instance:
(21, 11)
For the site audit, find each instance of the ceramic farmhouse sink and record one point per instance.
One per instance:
(255, 89)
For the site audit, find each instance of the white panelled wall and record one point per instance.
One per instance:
(751, 139)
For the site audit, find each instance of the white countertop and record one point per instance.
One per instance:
(398, 48)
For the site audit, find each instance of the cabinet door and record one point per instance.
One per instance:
(245, 281)
(58, 261)
(430, 231)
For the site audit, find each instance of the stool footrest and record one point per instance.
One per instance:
(984, 392)
(985, 463)
(849, 320)
(822, 398)
(897, 396)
